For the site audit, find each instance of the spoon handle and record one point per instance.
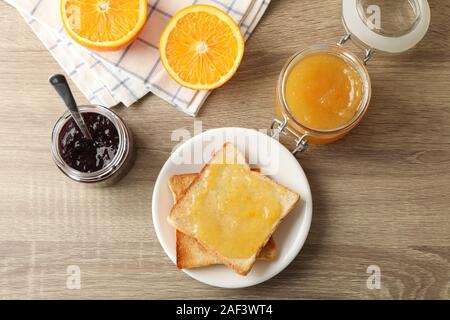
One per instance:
(59, 82)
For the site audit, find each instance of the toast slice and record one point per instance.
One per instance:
(190, 253)
(232, 211)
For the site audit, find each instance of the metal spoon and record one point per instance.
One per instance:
(59, 82)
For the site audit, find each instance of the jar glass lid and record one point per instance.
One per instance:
(386, 25)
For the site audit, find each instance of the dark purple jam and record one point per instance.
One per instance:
(84, 155)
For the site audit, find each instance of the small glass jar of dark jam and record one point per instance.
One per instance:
(101, 161)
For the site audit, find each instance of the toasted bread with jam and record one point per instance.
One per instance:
(190, 253)
(232, 211)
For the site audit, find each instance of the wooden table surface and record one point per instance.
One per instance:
(381, 195)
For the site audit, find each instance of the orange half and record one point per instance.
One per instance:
(103, 24)
(202, 47)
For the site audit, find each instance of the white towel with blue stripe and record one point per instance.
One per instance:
(127, 75)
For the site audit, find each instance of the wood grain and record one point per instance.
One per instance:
(381, 196)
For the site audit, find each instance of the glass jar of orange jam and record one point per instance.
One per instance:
(323, 93)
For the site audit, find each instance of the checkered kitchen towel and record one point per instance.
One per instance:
(127, 75)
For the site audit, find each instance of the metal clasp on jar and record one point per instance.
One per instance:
(367, 54)
(281, 127)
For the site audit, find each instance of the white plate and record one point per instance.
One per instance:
(261, 151)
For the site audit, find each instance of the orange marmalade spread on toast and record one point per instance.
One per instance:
(235, 210)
